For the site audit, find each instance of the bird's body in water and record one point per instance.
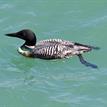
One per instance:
(51, 48)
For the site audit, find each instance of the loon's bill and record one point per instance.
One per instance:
(51, 48)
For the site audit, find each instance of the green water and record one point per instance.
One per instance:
(26, 82)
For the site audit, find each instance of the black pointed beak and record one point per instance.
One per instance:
(11, 34)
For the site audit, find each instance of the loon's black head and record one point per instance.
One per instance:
(27, 35)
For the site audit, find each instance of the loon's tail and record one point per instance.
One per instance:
(84, 48)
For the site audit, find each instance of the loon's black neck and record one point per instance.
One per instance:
(31, 41)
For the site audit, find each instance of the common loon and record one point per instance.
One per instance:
(52, 48)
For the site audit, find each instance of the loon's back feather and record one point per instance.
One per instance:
(57, 41)
(50, 50)
(57, 48)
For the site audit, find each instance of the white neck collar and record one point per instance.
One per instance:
(31, 47)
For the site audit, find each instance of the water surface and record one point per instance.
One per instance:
(26, 82)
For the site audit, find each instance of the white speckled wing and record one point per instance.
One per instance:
(52, 50)
(57, 48)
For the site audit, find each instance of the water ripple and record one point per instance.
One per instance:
(6, 6)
